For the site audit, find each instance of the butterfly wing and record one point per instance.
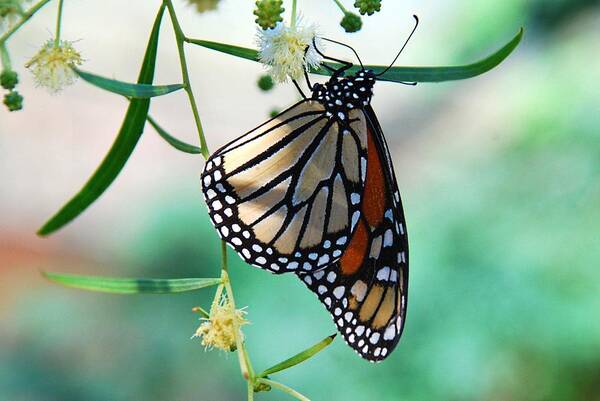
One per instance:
(366, 290)
(286, 195)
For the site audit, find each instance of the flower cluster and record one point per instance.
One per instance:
(219, 329)
(367, 6)
(10, 11)
(288, 51)
(53, 65)
(268, 13)
(204, 5)
(351, 22)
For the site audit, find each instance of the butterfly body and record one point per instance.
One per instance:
(313, 192)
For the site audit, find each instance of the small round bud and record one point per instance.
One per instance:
(367, 6)
(9, 79)
(351, 22)
(265, 82)
(203, 6)
(274, 113)
(268, 13)
(13, 101)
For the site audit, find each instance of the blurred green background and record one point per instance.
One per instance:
(500, 177)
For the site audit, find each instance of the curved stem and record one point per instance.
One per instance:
(23, 20)
(180, 39)
(284, 388)
(5, 58)
(341, 6)
(58, 23)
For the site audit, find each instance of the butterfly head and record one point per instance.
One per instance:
(341, 94)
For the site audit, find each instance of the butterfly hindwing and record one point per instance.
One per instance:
(286, 195)
(365, 291)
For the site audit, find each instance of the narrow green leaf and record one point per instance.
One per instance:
(394, 74)
(131, 285)
(176, 143)
(136, 91)
(128, 136)
(299, 358)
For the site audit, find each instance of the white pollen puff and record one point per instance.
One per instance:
(388, 238)
(383, 273)
(359, 290)
(389, 333)
(374, 338)
(339, 291)
(331, 277)
(322, 289)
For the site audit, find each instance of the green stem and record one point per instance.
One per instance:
(284, 388)
(58, 23)
(341, 6)
(250, 391)
(23, 20)
(180, 39)
(293, 14)
(5, 58)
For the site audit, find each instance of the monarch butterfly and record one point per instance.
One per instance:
(313, 191)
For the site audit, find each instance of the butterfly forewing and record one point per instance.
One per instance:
(286, 195)
(365, 291)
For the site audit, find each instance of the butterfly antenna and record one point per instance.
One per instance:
(349, 47)
(403, 46)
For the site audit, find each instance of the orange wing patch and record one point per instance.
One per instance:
(373, 205)
(355, 253)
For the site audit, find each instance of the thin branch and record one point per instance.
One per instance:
(284, 388)
(58, 23)
(180, 39)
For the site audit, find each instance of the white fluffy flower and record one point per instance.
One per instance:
(53, 65)
(283, 50)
